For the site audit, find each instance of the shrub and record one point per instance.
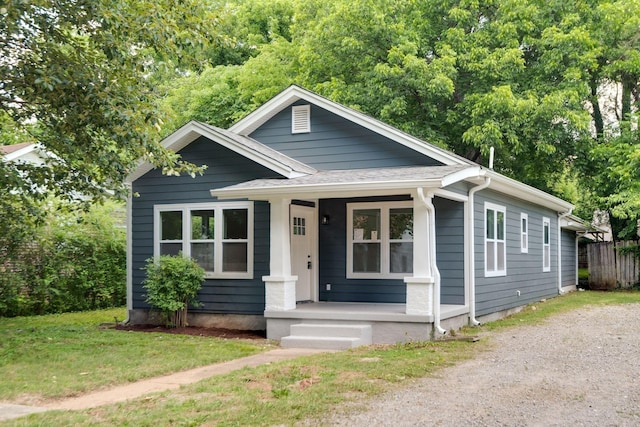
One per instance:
(74, 262)
(172, 284)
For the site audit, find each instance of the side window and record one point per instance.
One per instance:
(524, 233)
(219, 236)
(495, 242)
(546, 244)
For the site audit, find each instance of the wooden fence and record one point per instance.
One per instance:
(609, 269)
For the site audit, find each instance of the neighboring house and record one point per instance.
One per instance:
(315, 220)
(26, 152)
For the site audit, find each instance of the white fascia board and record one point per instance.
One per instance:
(294, 93)
(471, 172)
(334, 190)
(193, 130)
(526, 192)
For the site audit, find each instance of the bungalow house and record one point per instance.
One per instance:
(326, 227)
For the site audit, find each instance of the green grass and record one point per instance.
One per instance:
(310, 387)
(55, 356)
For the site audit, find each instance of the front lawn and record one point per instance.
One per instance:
(56, 356)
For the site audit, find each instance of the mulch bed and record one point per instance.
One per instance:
(197, 331)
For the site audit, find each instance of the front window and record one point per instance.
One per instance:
(495, 243)
(546, 244)
(219, 236)
(380, 240)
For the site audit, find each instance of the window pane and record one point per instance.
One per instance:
(500, 254)
(500, 224)
(491, 256)
(203, 254)
(546, 234)
(170, 248)
(366, 224)
(490, 224)
(171, 228)
(401, 224)
(366, 258)
(547, 257)
(235, 224)
(524, 241)
(401, 255)
(202, 225)
(524, 225)
(234, 257)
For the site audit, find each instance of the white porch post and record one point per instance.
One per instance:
(420, 286)
(280, 285)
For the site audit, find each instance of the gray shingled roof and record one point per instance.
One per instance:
(354, 176)
(258, 147)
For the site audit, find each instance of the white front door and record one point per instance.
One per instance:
(302, 229)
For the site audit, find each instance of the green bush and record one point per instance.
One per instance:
(172, 283)
(74, 262)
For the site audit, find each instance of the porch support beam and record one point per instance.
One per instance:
(280, 285)
(420, 285)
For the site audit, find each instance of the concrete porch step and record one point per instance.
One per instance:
(327, 336)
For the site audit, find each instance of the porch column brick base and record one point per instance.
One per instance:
(419, 295)
(280, 293)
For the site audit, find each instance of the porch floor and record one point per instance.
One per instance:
(363, 312)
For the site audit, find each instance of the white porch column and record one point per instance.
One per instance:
(280, 285)
(420, 286)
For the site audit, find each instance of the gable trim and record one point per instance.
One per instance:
(260, 153)
(295, 93)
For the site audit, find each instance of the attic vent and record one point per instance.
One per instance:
(301, 119)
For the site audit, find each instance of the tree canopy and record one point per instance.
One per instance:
(552, 85)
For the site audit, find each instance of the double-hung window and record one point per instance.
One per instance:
(546, 244)
(524, 233)
(495, 242)
(380, 240)
(219, 236)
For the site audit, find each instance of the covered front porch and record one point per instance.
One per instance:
(398, 293)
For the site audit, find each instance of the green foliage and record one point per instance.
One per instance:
(172, 284)
(76, 261)
(78, 76)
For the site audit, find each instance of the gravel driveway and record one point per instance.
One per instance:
(578, 369)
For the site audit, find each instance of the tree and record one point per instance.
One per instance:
(77, 76)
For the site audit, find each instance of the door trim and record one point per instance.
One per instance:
(312, 229)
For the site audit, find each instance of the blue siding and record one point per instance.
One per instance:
(242, 296)
(333, 256)
(333, 261)
(569, 258)
(524, 270)
(450, 250)
(336, 143)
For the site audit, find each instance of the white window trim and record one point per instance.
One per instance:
(495, 208)
(383, 239)
(301, 119)
(546, 223)
(218, 238)
(524, 234)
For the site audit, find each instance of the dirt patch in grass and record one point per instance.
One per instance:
(197, 331)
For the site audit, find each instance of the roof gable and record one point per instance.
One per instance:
(242, 145)
(293, 94)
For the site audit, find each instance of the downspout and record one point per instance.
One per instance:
(472, 251)
(560, 217)
(428, 203)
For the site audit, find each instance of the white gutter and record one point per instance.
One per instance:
(472, 255)
(428, 203)
(560, 216)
